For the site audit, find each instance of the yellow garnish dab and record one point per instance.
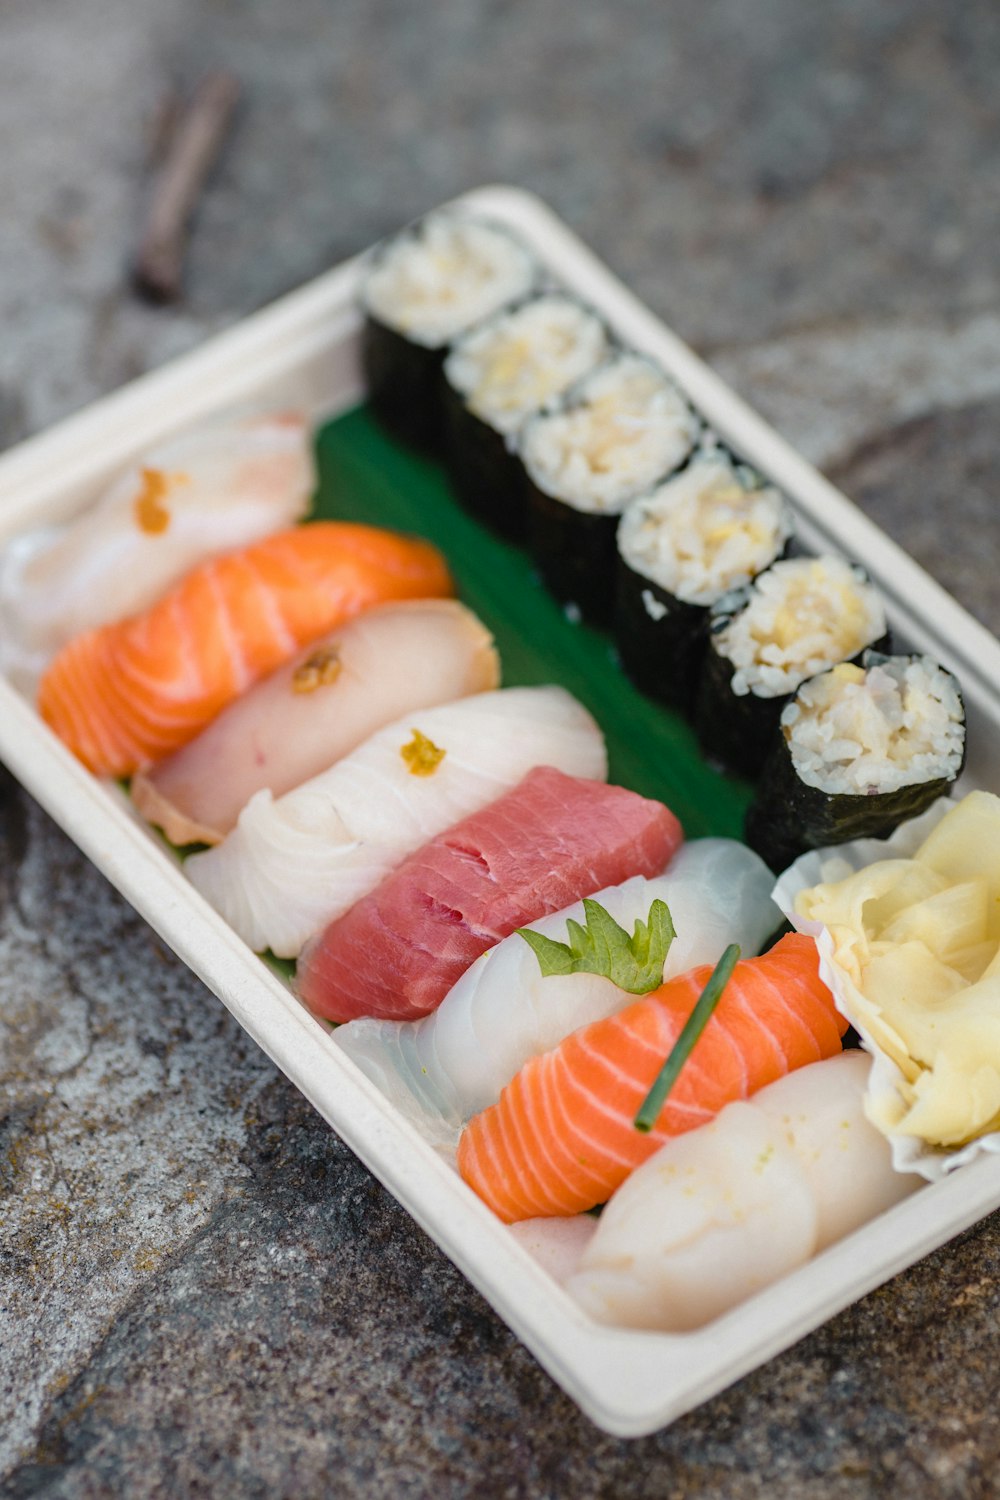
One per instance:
(318, 670)
(421, 755)
(152, 514)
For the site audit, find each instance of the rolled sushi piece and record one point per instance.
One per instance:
(710, 529)
(317, 708)
(615, 434)
(294, 863)
(496, 377)
(861, 749)
(800, 617)
(424, 288)
(503, 1011)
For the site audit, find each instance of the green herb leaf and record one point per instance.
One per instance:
(695, 1024)
(634, 964)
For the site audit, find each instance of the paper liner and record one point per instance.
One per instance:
(823, 866)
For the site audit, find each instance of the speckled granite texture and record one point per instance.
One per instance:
(201, 1291)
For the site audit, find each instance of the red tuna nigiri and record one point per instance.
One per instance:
(546, 843)
(562, 1136)
(128, 694)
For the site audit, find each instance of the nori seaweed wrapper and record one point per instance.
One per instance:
(487, 477)
(661, 639)
(575, 552)
(789, 817)
(405, 385)
(734, 730)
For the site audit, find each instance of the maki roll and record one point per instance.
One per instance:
(798, 618)
(495, 378)
(622, 428)
(422, 289)
(861, 749)
(711, 528)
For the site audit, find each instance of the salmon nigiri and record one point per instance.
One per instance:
(128, 694)
(562, 1136)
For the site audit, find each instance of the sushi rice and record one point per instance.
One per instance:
(709, 529)
(518, 362)
(449, 272)
(620, 430)
(859, 731)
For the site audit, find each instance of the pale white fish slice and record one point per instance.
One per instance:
(316, 709)
(293, 864)
(455, 1062)
(718, 1214)
(214, 489)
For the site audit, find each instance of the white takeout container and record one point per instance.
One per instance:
(302, 352)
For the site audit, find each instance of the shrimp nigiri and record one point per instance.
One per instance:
(210, 490)
(502, 1011)
(294, 863)
(563, 1137)
(315, 709)
(128, 694)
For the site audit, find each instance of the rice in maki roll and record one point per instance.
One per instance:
(496, 377)
(622, 428)
(423, 288)
(860, 749)
(798, 618)
(709, 529)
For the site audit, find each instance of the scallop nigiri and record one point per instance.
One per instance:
(128, 694)
(210, 490)
(720, 1213)
(551, 839)
(563, 1136)
(503, 1011)
(294, 863)
(317, 708)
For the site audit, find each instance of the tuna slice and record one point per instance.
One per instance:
(546, 843)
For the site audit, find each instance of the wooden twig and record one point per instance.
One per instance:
(195, 143)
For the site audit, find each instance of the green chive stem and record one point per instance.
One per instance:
(681, 1050)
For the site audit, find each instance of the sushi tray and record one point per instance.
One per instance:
(639, 720)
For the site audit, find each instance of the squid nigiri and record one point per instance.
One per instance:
(551, 839)
(720, 1213)
(209, 491)
(315, 709)
(502, 1012)
(563, 1136)
(293, 864)
(128, 694)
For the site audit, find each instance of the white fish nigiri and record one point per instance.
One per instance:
(294, 863)
(725, 1210)
(316, 709)
(455, 1062)
(213, 489)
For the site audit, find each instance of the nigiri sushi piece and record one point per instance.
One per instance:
(131, 693)
(549, 841)
(717, 1214)
(294, 863)
(502, 1011)
(563, 1137)
(211, 490)
(315, 709)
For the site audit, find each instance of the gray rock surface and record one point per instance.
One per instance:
(201, 1291)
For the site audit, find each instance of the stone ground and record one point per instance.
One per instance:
(201, 1291)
